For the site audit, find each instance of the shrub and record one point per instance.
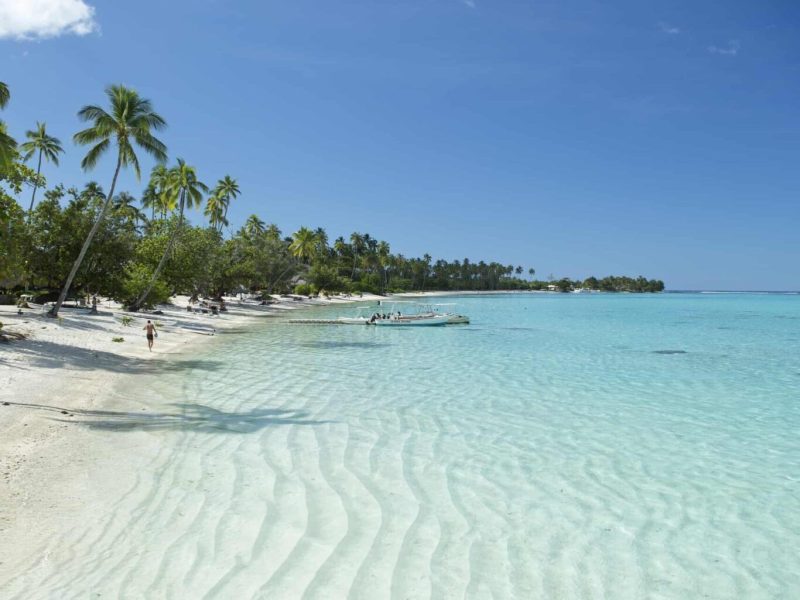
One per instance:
(118, 339)
(126, 321)
(136, 279)
(303, 289)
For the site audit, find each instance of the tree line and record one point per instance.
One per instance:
(86, 240)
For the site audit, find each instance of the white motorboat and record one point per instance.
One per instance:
(426, 311)
(410, 321)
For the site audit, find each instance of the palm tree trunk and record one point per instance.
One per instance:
(278, 278)
(355, 258)
(163, 260)
(54, 311)
(36, 184)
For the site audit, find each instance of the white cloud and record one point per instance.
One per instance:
(669, 29)
(470, 3)
(38, 19)
(732, 49)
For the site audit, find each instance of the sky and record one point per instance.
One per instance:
(575, 137)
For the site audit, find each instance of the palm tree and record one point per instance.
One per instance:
(254, 226)
(227, 189)
(340, 248)
(357, 242)
(304, 243)
(150, 199)
(125, 207)
(384, 256)
(427, 258)
(46, 146)
(215, 210)
(159, 178)
(8, 145)
(130, 122)
(185, 190)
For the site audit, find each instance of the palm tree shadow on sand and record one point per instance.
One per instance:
(187, 417)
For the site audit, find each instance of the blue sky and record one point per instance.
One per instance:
(576, 137)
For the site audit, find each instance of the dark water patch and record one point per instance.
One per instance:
(518, 328)
(328, 345)
(669, 352)
(232, 331)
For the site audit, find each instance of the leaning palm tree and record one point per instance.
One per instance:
(183, 191)
(46, 146)
(5, 95)
(130, 122)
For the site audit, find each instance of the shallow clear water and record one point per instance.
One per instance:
(560, 446)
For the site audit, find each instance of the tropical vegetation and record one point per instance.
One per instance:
(142, 249)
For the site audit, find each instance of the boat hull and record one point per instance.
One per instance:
(410, 322)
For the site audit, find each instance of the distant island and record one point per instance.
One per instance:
(141, 250)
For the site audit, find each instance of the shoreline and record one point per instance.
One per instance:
(55, 468)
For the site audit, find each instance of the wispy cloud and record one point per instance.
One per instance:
(39, 19)
(668, 29)
(470, 3)
(732, 49)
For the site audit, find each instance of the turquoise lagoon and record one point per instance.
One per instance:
(559, 446)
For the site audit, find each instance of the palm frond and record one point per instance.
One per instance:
(153, 146)
(5, 95)
(90, 112)
(89, 136)
(8, 146)
(90, 160)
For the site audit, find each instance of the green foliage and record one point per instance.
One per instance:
(119, 340)
(56, 234)
(326, 277)
(304, 289)
(130, 122)
(86, 241)
(136, 279)
(126, 320)
(13, 239)
(615, 283)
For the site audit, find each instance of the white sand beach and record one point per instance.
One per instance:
(55, 473)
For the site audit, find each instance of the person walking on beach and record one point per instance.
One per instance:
(151, 333)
